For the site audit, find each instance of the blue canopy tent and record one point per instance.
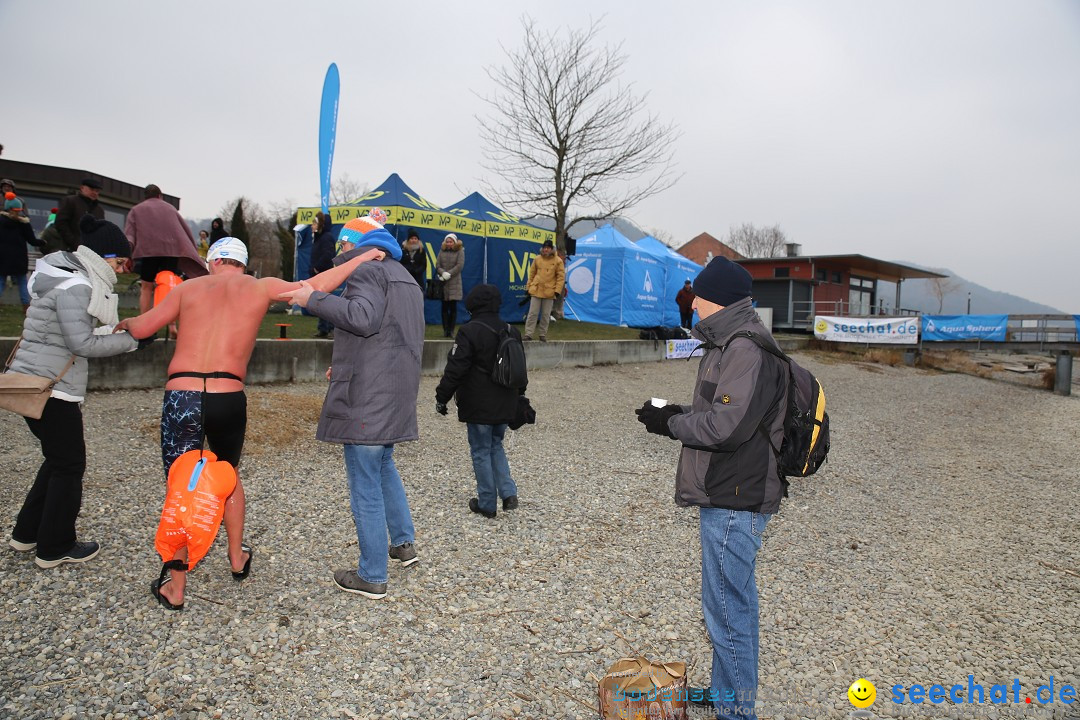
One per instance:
(407, 210)
(679, 270)
(479, 224)
(510, 244)
(613, 281)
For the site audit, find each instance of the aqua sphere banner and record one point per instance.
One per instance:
(895, 331)
(328, 110)
(965, 327)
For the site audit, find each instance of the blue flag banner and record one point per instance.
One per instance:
(328, 110)
(1076, 319)
(964, 327)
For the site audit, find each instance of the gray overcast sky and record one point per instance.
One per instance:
(942, 133)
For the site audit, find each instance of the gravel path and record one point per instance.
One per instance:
(915, 556)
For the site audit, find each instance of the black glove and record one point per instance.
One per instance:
(440, 407)
(146, 342)
(655, 419)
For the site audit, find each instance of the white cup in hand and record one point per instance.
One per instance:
(658, 402)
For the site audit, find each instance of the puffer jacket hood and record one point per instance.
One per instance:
(58, 326)
(483, 299)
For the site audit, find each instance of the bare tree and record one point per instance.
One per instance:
(663, 236)
(568, 140)
(345, 189)
(754, 242)
(940, 288)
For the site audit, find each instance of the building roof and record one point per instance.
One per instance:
(867, 266)
(700, 247)
(59, 181)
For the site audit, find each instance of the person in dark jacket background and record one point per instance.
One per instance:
(685, 300)
(414, 257)
(728, 469)
(15, 234)
(484, 406)
(217, 230)
(322, 259)
(73, 207)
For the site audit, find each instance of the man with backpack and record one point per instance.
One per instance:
(487, 399)
(728, 468)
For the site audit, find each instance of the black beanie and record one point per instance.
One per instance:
(104, 238)
(723, 282)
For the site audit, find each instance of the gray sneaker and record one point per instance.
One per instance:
(349, 581)
(404, 553)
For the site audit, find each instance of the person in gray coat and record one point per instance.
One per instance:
(728, 469)
(70, 293)
(448, 266)
(371, 403)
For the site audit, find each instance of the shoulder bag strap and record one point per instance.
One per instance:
(11, 358)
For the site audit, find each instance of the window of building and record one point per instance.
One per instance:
(781, 272)
(822, 275)
(838, 277)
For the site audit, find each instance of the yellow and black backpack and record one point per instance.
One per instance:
(806, 424)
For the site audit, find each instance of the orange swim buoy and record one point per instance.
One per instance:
(164, 282)
(199, 484)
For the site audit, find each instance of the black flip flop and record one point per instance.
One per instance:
(238, 576)
(165, 578)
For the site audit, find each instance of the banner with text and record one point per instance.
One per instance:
(677, 349)
(1076, 319)
(964, 327)
(898, 331)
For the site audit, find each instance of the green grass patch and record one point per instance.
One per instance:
(303, 327)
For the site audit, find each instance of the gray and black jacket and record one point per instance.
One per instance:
(58, 326)
(739, 397)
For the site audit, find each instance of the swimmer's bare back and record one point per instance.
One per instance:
(219, 316)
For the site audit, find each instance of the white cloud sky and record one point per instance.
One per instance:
(940, 133)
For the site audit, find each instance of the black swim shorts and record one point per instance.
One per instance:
(149, 267)
(183, 418)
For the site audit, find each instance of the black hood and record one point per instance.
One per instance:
(483, 299)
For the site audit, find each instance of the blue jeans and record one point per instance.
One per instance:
(20, 280)
(730, 540)
(489, 464)
(378, 505)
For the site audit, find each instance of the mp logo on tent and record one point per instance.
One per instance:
(583, 277)
(647, 285)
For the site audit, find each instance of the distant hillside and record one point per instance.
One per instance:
(627, 228)
(918, 295)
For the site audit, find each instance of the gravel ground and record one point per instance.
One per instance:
(935, 544)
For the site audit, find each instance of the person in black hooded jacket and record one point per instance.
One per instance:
(484, 406)
(322, 258)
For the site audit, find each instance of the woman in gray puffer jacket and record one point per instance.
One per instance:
(69, 292)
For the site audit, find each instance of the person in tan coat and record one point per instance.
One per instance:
(546, 278)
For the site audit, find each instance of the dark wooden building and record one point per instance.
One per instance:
(798, 287)
(42, 186)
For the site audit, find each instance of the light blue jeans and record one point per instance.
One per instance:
(730, 540)
(490, 466)
(20, 280)
(378, 502)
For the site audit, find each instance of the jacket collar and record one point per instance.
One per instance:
(718, 327)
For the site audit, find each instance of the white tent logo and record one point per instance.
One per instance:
(648, 282)
(583, 279)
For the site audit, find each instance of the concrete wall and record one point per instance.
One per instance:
(305, 360)
(288, 360)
